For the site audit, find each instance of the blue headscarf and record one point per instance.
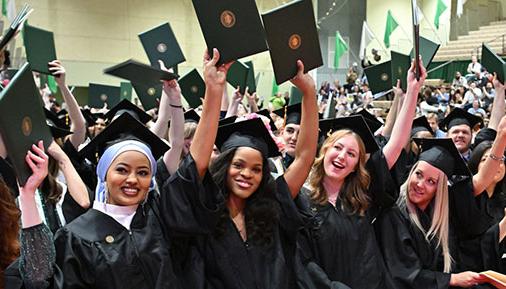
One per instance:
(110, 155)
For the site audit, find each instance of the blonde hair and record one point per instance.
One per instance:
(439, 227)
(353, 193)
(189, 129)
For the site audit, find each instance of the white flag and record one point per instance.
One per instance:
(460, 7)
(367, 37)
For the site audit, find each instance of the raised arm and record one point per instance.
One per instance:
(176, 130)
(305, 149)
(234, 104)
(205, 135)
(164, 110)
(491, 165)
(394, 110)
(78, 123)
(252, 100)
(402, 126)
(75, 184)
(498, 105)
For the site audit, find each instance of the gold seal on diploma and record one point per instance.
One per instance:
(227, 18)
(26, 125)
(294, 41)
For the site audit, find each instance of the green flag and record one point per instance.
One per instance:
(390, 27)
(275, 87)
(441, 7)
(341, 48)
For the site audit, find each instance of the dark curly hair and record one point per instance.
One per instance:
(9, 228)
(261, 211)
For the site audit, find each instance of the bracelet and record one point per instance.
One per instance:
(496, 158)
(176, 106)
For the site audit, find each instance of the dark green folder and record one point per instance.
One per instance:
(100, 94)
(237, 76)
(125, 91)
(292, 35)
(160, 43)
(138, 72)
(22, 120)
(149, 95)
(295, 96)
(380, 77)
(39, 47)
(250, 80)
(400, 64)
(493, 63)
(232, 26)
(428, 50)
(193, 88)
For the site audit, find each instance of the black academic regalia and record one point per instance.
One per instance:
(343, 245)
(95, 251)
(492, 251)
(227, 262)
(411, 260)
(84, 168)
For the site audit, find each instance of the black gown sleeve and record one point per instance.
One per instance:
(401, 256)
(290, 219)
(382, 188)
(492, 250)
(189, 205)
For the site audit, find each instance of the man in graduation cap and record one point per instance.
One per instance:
(289, 133)
(459, 125)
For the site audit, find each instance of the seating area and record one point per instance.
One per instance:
(493, 34)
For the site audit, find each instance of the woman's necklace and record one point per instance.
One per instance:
(240, 225)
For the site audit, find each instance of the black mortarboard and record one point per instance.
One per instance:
(160, 43)
(193, 88)
(249, 133)
(493, 63)
(124, 127)
(99, 94)
(442, 153)
(140, 73)
(291, 113)
(372, 122)
(251, 82)
(191, 116)
(421, 124)
(53, 117)
(22, 120)
(126, 106)
(149, 95)
(228, 19)
(237, 75)
(291, 36)
(39, 47)
(228, 120)
(355, 123)
(88, 116)
(56, 125)
(485, 134)
(265, 112)
(459, 116)
(64, 116)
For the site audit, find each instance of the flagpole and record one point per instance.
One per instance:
(405, 33)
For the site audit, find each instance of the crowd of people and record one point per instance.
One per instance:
(243, 192)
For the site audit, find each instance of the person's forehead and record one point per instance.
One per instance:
(460, 127)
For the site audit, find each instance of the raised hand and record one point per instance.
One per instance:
(215, 76)
(497, 84)
(303, 81)
(414, 84)
(171, 87)
(37, 161)
(58, 71)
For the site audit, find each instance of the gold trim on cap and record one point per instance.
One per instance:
(227, 18)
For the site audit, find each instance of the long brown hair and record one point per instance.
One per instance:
(9, 229)
(353, 193)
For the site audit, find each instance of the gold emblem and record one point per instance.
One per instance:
(294, 41)
(26, 125)
(151, 91)
(103, 97)
(227, 18)
(109, 239)
(161, 47)
(194, 89)
(384, 76)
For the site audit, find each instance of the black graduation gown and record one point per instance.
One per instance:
(411, 260)
(95, 251)
(492, 251)
(227, 262)
(344, 246)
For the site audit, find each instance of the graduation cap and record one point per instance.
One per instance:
(372, 122)
(64, 116)
(22, 120)
(249, 133)
(88, 116)
(193, 88)
(493, 63)
(160, 43)
(124, 127)
(421, 124)
(228, 120)
(355, 123)
(149, 95)
(99, 94)
(39, 47)
(459, 116)
(191, 116)
(138, 72)
(251, 82)
(237, 75)
(53, 117)
(485, 134)
(291, 113)
(265, 112)
(442, 153)
(292, 35)
(56, 125)
(125, 90)
(229, 19)
(126, 106)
